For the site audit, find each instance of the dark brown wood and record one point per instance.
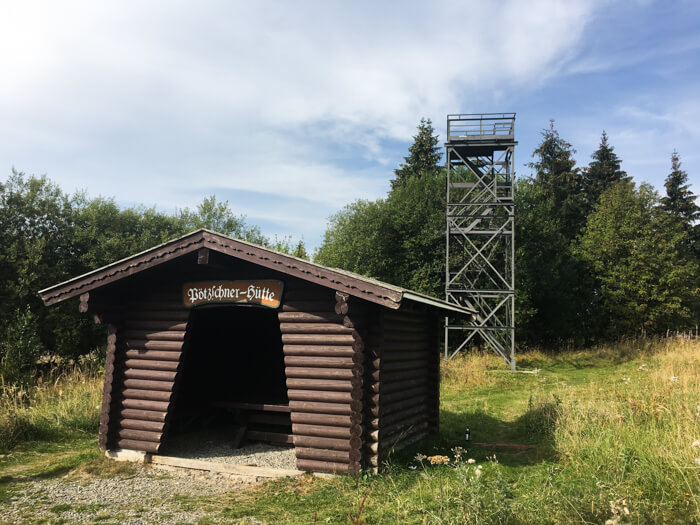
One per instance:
(321, 362)
(396, 406)
(320, 419)
(399, 386)
(404, 346)
(314, 328)
(153, 395)
(155, 326)
(318, 373)
(308, 294)
(406, 337)
(307, 306)
(172, 316)
(321, 431)
(418, 364)
(390, 357)
(144, 415)
(316, 395)
(309, 317)
(162, 335)
(155, 355)
(140, 435)
(321, 442)
(338, 456)
(319, 350)
(142, 404)
(400, 394)
(407, 327)
(147, 364)
(270, 419)
(138, 424)
(203, 256)
(272, 437)
(399, 375)
(322, 466)
(145, 344)
(320, 408)
(83, 306)
(144, 384)
(143, 446)
(318, 339)
(154, 375)
(329, 385)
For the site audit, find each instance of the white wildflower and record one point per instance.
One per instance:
(471, 461)
(627, 380)
(643, 368)
(696, 443)
(673, 379)
(697, 461)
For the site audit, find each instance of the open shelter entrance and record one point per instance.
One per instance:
(233, 377)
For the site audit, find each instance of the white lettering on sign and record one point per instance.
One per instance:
(265, 293)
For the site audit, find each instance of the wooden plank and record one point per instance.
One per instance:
(318, 373)
(321, 408)
(146, 364)
(146, 344)
(319, 350)
(318, 339)
(309, 317)
(228, 468)
(145, 384)
(155, 355)
(155, 326)
(328, 385)
(314, 328)
(317, 361)
(162, 335)
(261, 407)
(271, 437)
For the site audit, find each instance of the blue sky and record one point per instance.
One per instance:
(290, 110)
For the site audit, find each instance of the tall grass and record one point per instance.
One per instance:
(59, 403)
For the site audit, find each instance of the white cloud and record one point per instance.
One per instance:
(145, 101)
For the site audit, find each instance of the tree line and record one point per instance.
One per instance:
(48, 236)
(598, 257)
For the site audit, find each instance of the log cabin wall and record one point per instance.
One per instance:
(405, 402)
(144, 358)
(323, 365)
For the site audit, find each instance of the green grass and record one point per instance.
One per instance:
(610, 430)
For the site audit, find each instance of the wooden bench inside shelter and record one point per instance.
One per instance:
(254, 419)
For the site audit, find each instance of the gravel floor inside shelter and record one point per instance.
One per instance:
(215, 446)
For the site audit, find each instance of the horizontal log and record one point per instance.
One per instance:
(398, 386)
(154, 355)
(320, 408)
(153, 395)
(138, 424)
(420, 364)
(175, 315)
(309, 317)
(405, 417)
(399, 395)
(142, 446)
(319, 350)
(318, 373)
(330, 420)
(144, 384)
(394, 434)
(322, 362)
(389, 408)
(140, 435)
(314, 328)
(409, 440)
(142, 404)
(155, 326)
(330, 467)
(321, 442)
(144, 415)
(153, 375)
(145, 344)
(318, 339)
(321, 431)
(260, 407)
(318, 454)
(320, 396)
(147, 364)
(328, 385)
(271, 437)
(307, 306)
(162, 335)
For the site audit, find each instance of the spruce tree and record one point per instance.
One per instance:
(424, 155)
(602, 172)
(680, 203)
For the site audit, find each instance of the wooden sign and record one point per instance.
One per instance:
(265, 293)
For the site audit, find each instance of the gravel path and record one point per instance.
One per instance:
(145, 495)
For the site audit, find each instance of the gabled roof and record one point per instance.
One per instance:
(340, 280)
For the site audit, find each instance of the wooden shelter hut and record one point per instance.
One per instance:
(343, 367)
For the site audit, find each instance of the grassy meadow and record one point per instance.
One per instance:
(611, 429)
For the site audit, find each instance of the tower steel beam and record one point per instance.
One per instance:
(480, 254)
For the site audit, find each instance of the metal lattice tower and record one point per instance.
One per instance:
(480, 231)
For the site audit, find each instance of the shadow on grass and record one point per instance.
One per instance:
(535, 428)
